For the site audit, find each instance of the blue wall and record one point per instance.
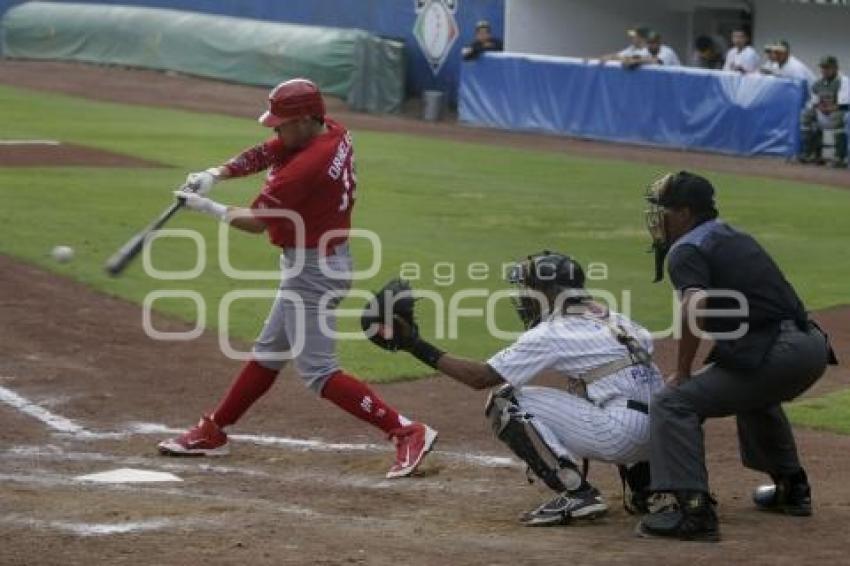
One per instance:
(388, 18)
(668, 106)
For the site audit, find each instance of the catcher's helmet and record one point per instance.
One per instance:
(554, 278)
(295, 98)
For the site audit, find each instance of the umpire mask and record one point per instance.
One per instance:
(655, 223)
(676, 191)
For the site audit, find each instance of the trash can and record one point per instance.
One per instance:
(432, 105)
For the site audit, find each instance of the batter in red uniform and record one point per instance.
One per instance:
(305, 208)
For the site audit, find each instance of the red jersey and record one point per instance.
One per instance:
(316, 181)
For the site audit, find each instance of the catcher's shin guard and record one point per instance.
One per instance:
(636, 493)
(841, 145)
(517, 429)
(810, 141)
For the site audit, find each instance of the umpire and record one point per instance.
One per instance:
(765, 354)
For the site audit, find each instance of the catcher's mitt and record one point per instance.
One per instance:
(388, 318)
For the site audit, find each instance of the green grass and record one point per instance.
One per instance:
(830, 412)
(430, 201)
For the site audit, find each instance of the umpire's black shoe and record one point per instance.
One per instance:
(693, 518)
(791, 495)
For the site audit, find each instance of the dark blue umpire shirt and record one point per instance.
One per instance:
(716, 256)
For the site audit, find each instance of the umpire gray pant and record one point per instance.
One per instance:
(677, 451)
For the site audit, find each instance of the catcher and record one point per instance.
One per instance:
(602, 358)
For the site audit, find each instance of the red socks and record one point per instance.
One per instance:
(251, 384)
(345, 391)
(357, 398)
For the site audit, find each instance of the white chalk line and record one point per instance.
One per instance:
(84, 529)
(485, 460)
(51, 420)
(64, 425)
(30, 142)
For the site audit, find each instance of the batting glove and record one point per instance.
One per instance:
(201, 183)
(196, 202)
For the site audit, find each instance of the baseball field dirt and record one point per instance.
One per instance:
(84, 390)
(50, 153)
(138, 86)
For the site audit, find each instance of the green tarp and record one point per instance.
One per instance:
(366, 71)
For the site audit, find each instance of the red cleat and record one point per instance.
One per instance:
(412, 443)
(203, 439)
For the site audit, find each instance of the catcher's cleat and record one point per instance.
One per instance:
(412, 443)
(693, 519)
(785, 496)
(584, 504)
(203, 439)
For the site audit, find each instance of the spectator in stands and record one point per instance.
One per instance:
(484, 41)
(635, 50)
(741, 58)
(659, 53)
(769, 60)
(707, 53)
(783, 64)
(656, 53)
(831, 96)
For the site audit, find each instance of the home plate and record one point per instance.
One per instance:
(129, 475)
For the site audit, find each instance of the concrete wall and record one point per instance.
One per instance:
(588, 28)
(812, 30)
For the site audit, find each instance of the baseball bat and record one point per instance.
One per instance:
(122, 258)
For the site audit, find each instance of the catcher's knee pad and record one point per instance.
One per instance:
(516, 428)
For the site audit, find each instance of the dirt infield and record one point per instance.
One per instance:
(152, 88)
(26, 153)
(83, 357)
(83, 390)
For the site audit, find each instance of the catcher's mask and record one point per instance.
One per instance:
(675, 190)
(545, 282)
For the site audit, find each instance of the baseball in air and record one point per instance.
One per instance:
(62, 254)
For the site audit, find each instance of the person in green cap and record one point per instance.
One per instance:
(830, 97)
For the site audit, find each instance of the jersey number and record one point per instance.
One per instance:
(349, 185)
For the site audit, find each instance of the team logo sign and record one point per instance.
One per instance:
(436, 30)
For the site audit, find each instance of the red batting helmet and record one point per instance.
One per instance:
(295, 98)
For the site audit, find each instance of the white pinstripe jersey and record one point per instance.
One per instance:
(576, 343)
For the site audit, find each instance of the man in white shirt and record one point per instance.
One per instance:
(660, 54)
(635, 50)
(784, 64)
(598, 410)
(741, 58)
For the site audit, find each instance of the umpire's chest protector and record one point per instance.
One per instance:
(740, 277)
